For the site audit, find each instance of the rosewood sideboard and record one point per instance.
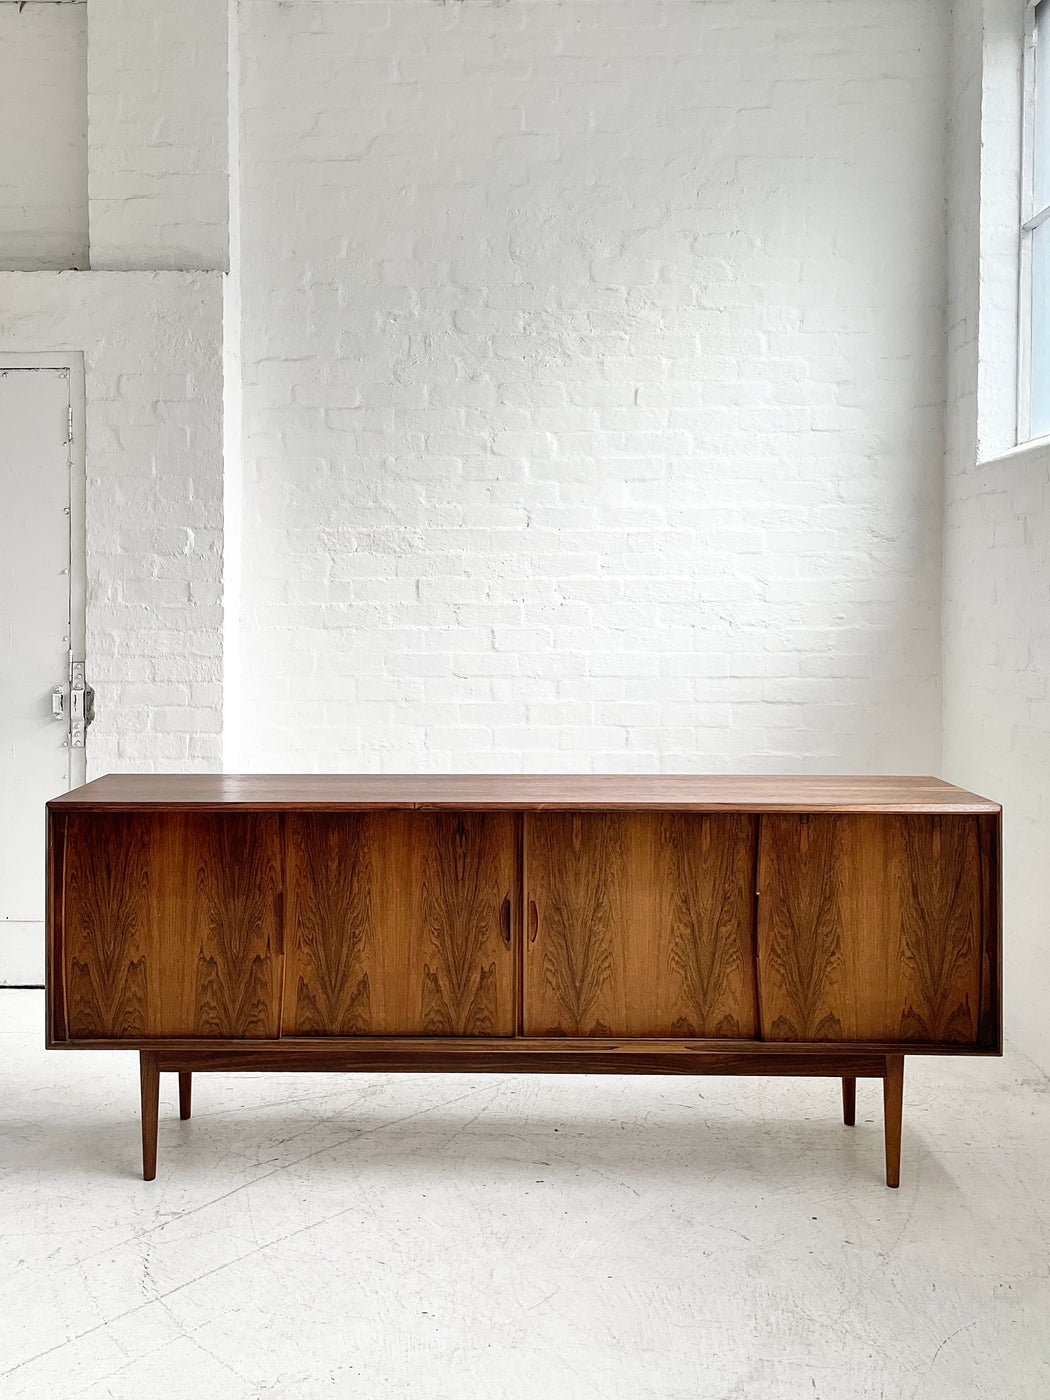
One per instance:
(629, 925)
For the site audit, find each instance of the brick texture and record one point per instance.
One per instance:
(43, 149)
(593, 362)
(153, 380)
(157, 134)
(996, 595)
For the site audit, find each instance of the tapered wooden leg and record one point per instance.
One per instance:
(893, 1105)
(185, 1092)
(849, 1102)
(149, 1082)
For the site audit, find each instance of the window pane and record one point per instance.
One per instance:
(1041, 172)
(1041, 330)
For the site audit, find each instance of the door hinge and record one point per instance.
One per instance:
(81, 705)
(69, 425)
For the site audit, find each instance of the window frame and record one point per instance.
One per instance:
(1031, 219)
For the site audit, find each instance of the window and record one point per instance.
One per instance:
(1034, 360)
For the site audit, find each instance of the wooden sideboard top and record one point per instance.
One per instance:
(521, 791)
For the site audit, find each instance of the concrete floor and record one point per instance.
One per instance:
(528, 1238)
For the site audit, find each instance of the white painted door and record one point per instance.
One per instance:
(36, 760)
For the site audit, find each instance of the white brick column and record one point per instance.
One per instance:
(157, 133)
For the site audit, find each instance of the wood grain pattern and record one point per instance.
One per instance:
(747, 792)
(397, 924)
(893, 1107)
(502, 936)
(869, 928)
(231, 867)
(107, 927)
(639, 925)
(705, 878)
(525, 1046)
(800, 933)
(938, 868)
(990, 1022)
(476, 1056)
(57, 1030)
(171, 926)
(578, 875)
(149, 1101)
(166, 925)
(334, 898)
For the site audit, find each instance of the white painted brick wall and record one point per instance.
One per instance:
(964, 248)
(996, 596)
(997, 711)
(595, 367)
(593, 361)
(153, 371)
(43, 136)
(157, 134)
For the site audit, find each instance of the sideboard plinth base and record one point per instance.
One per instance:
(849, 1068)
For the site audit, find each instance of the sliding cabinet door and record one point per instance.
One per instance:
(168, 924)
(869, 928)
(401, 923)
(639, 924)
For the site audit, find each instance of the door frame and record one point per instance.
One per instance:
(72, 363)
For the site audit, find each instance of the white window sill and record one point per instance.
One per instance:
(1036, 448)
